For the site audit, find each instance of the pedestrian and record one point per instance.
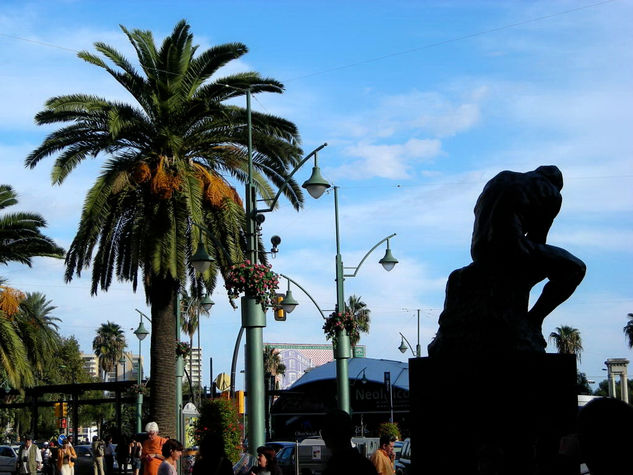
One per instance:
(337, 433)
(152, 449)
(52, 461)
(171, 452)
(212, 457)
(382, 457)
(74, 456)
(98, 451)
(135, 449)
(108, 457)
(46, 458)
(266, 462)
(66, 458)
(122, 453)
(29, 457)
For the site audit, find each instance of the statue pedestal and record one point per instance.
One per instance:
(471, 415)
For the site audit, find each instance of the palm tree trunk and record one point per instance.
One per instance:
(162, 409)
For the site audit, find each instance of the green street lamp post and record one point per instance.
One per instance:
(141, 332)
(403, 348)
(253, 315)
(342, 347)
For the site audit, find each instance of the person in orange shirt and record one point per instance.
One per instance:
(152, 455)
(66, 458)
(381, 458)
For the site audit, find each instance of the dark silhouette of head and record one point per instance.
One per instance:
(606, 438)
(337, 430)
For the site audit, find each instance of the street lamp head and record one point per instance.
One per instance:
(201, 260)
(141, 332)
(388, 261)
(316, 184)
(207, 303)
(122, 360)
(289, 303)
(402, 347)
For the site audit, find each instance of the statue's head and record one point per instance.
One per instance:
(553, 174)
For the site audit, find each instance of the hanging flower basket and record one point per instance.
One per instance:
(182, 349)
(254, 279)
(340, 321)
(139, 389)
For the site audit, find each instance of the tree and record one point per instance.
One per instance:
(360, 313)
(38, 329)
(603, 388)
(20, 235)
(108, 345)
(628, 330)
(272, 367)
(170, 156)
(567, 340)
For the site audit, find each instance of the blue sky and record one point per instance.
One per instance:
(420, 102)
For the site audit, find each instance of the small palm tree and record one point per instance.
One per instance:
(567, 340)
(361, 315)
(273, 366)
(38, 329)
(108, 345)
(628, 330)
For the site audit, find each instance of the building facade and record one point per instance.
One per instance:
(301, 358)
(124, 372)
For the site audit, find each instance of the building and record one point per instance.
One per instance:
(193, 365)
(301, 358)
(124, 372)
(374, 398)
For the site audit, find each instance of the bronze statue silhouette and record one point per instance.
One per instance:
(486, 306)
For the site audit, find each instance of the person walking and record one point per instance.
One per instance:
(108, 457)
(212, 457)
(29, 457)
(382, 457)
(122, 453)
(266, 462)
(66, 458)
(98, 451)
(152, 449)
(135, 449)
(337, 433)
(171, 452)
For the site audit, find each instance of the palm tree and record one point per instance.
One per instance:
(170, 156)
(628, 330)
(108, 345)
(567, 340)
(13, 355)
(20, 236)
(38, 329)
(273, 365)
(360, 312)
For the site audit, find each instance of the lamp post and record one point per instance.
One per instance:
(253, 315)
(342, 345)
(417, 353)
(141, 332)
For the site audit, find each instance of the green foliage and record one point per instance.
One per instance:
(628, 330)
(219, 416)
(567, 340)
(108, 345)
(603, 389)
(257, 280)
(361, 315)
(389, 428)
(582, 385)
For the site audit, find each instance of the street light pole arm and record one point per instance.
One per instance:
(143, 315)
(409, 344)
(305, 292)
(283, 186)
(366, 256)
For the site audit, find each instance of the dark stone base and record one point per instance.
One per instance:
(509, 412)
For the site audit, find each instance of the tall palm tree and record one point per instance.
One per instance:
(272, 364)
(108, 346)
(20, 235)
(361, 313)
(38, 329)
(567, 340)
(170, 156)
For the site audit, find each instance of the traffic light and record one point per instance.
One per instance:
(63, 423)
(58, 410)
(280, 313)
(64, 409)
(239, 395)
